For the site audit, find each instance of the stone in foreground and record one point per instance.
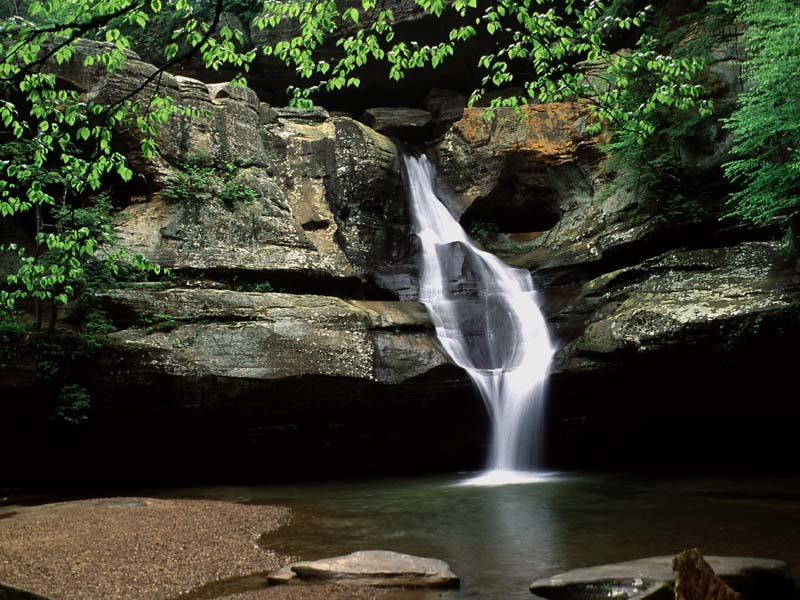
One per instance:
(372, 568)
(282, 575)
(696, 580)
(754, 578)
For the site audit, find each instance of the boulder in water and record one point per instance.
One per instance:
(696, 580)
(375, 568)
(755, 578)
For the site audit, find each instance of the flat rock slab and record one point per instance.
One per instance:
(755, 578)
(375, 568)
(659, 591)
(396, 119)
(283, 575)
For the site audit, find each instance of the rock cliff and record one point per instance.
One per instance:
(668, 324)
(288, 336)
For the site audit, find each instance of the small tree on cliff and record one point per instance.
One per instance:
(767, 120)
(58, 146)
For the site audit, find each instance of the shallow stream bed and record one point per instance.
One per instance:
(499, 539)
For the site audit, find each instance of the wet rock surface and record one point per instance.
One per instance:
(476, 153)
(324, 198)
(679, 343)
(225, 382)
(658, 591)
(376, 568)
(755, 578)
(696, 580)
(368, 201)
(446, 107)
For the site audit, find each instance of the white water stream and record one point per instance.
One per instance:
(488, 322)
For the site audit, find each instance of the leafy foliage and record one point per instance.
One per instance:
(261, 287)
(11, 333)
(150, 43)
(198, 178)
(651, 157)
(535, 41)
(482, 230)
(58, 151)
(74, 404)
(76, 235)
(57, 147)
(765, 123)
(158, 321)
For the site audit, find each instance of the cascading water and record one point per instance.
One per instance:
(488, 322)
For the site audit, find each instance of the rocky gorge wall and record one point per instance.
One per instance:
(287, 341)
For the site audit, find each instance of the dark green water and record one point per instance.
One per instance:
(499, 539)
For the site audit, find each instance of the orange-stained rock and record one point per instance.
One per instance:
(551, 132)
(518, 164)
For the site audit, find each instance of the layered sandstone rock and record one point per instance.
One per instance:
(633, 296)
(266, 336)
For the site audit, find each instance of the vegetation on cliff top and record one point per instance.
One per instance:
(767, 121)
(58, 150)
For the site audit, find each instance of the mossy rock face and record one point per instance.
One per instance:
(684, 298)
(324, 196)
(320, 196)
(267, 336)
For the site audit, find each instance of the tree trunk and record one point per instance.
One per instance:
(51, 325)
(37, 314)
(38, 310)
(794, 224)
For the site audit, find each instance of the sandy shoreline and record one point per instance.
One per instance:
(145, 548)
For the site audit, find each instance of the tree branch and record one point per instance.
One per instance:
(78, 30)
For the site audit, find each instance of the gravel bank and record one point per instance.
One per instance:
(133, 548)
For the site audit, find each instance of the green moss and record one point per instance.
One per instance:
(74, 404)
(483, 230)
(198, 178)
(12, 332)
(261, 288)
(158, 321)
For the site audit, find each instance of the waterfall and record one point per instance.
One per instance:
(488, 322)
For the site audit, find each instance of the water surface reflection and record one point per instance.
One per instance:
(498, 539)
